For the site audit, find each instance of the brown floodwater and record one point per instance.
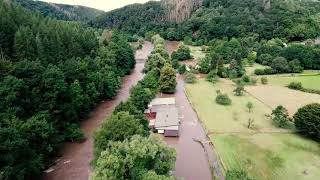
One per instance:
(193, 160)
(171, 46)
(74, 164)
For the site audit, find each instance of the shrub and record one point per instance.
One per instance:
(295, 85)
(264, 80)
(237, 175)
(182, 69)
(280, 116)
(212, 76)
(223, 99)
(167, 81)
(74, 133)
(246, 78)
(239, 89)
(190, 78)
(183, 53)
(259, 71)
(254, 81)
(307, 120)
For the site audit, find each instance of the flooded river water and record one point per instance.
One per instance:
(194, 161)
(76, 157)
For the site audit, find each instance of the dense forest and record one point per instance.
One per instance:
(134, 19)
(293, 20)
(61, 11)
(52, 73)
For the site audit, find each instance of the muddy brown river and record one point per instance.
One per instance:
(194, 161)
(76, 157)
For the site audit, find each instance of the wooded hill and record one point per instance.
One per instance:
(61, 11)
(290, 19)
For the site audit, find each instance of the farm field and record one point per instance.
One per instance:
(277, 95)
(264, 151)
(308, 81)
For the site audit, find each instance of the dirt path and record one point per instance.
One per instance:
(75, 161)
(194, 160)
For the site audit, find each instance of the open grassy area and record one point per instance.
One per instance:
(309, 82)
(265, 152)
(196, 52)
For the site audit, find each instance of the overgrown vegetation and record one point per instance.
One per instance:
(125, 133)
(52, 74)
(307, 120)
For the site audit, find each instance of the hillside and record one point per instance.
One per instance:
(61, 11)
(204, 20)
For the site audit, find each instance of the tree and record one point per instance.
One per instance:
(280, 116)
(140, 97)
(264, 80)
(183, 53)
(295, 66)
(154, 61)
(239, 89)
(117, 127)
(223, 99)
(205, 65)
(250, 123)
(307, 120)
(280, 64)
(190, 78)
(182, 69)
(167, 81)
(252, 58)
(134, 159)
(249, 106)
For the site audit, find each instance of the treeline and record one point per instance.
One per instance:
(134, 19)
(52, 73)
(123, 147)
(61, 11)
(291, 20)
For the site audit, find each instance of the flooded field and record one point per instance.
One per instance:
(74, 164)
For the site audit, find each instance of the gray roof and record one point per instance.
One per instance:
(167, 116)
(163, 101)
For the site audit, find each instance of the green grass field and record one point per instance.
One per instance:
(265, 152)
(309, 82)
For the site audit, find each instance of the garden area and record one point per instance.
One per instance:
(247, 139)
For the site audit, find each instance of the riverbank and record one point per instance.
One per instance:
(74, 164)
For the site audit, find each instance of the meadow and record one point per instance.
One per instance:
(264, 151)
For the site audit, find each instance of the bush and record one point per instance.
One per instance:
(264, 80)
(295, 85)
(183, 53)
(307, 120)
(223, 99)
(212, 76)
(190, 78)
(259, 71)
(237, 175)
(253, 81)
(246, 78)
(280, 116)
(182, 69)
(239, 89)
(74, 133)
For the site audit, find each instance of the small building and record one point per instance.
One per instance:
(157, 103)
(167, 122)
(162, 114)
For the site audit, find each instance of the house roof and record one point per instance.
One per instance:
(166, 117)
(163, 101)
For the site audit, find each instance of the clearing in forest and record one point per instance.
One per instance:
(264, 151)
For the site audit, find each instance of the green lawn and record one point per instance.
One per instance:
(309, 82)
(275, 154)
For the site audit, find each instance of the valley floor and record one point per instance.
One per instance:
(264, 151)
(74, 164)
